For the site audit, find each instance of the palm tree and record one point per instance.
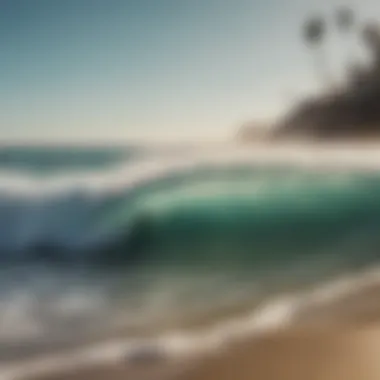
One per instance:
(314, 31)
(345, 21)
(371, 37)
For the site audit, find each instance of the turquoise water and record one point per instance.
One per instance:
(246, 218)
(130, 241)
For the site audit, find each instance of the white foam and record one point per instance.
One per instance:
(277, 314)
(150, 168)
(59, 209)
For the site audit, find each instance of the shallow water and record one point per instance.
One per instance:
(152, 241)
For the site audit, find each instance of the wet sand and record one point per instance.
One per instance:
(124, 372)
(329, 354)
(347, 354)
(333, 341)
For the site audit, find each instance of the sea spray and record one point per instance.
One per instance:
(148, 240)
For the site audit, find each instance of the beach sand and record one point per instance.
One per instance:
(123, 372)
(337, 340)
(347, 354)
(330, 354)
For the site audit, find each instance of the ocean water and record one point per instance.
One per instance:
(97, 243)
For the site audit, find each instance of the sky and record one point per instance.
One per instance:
(123, 70)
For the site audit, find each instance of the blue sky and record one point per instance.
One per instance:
(95, 70)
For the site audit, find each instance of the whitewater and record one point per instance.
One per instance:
(136, 241)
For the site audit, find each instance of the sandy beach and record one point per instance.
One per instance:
(337, 340)
(331, 354)
(349, 354)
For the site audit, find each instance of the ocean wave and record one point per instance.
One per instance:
(277, 314)
(195, 202)
(87, 252)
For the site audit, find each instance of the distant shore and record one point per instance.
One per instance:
(272, 136)
(363, 154)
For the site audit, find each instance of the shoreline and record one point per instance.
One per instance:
(332, 353)
(326, 354)
(325, 317)
(347, 315)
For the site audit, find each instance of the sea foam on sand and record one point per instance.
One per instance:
(304, 309)
(286, 313)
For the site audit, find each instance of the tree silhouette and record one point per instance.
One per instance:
(371, 37)
(314, 31)
(345, 21)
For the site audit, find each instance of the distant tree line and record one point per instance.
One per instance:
(354, 109)
(316, 28)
